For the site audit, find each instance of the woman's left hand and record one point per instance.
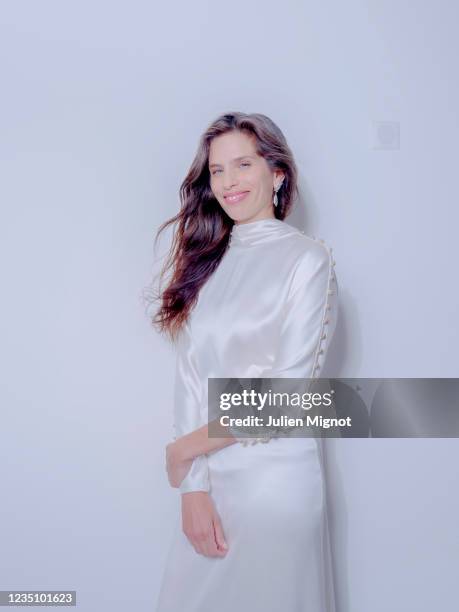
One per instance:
(177, 467)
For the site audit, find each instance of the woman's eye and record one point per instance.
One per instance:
(242, 164)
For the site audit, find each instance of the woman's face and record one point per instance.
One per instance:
(236, 169)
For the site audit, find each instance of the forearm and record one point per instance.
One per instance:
(198, 442)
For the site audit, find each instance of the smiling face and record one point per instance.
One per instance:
(240, 179)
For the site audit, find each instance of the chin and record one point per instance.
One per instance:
(236, 215)
(239, 214)
(241, 218)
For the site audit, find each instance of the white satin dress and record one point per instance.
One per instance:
(269, 310)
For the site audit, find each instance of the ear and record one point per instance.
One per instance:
(279, 177)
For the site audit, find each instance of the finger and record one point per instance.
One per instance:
(204, 543)
(210, 546)
(214, 548)
(209, 549)
(219, 535)
(199, 543)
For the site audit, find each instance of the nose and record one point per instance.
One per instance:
(229, 180)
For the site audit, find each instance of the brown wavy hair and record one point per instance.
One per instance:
(202, 228)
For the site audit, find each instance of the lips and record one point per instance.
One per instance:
(234, 198)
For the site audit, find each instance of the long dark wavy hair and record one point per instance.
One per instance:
(202, 228)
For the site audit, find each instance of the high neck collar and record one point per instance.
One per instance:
(257, 232)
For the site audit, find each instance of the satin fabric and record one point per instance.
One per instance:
(268, 310)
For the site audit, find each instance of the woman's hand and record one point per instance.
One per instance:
(201, 524)
(177, 465)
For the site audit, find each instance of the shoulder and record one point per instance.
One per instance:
(313, 260)
(309, 250)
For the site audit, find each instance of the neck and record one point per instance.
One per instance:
(268, 215)
(259, 231)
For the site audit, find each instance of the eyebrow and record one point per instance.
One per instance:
(235, 159)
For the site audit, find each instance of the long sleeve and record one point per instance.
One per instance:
(188, 400)
(309, 320)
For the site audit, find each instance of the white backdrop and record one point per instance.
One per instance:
(102, 105)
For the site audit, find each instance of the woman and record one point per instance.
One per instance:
(249, 296)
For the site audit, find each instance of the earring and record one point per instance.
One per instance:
(276, 189)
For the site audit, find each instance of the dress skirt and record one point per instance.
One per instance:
(272, 504)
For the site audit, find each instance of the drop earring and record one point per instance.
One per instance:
(275, 200)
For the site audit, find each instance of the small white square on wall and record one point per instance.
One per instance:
(385, 135)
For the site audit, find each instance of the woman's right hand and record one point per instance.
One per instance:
(201, 524)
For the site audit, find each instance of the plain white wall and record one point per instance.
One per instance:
(102, 105)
